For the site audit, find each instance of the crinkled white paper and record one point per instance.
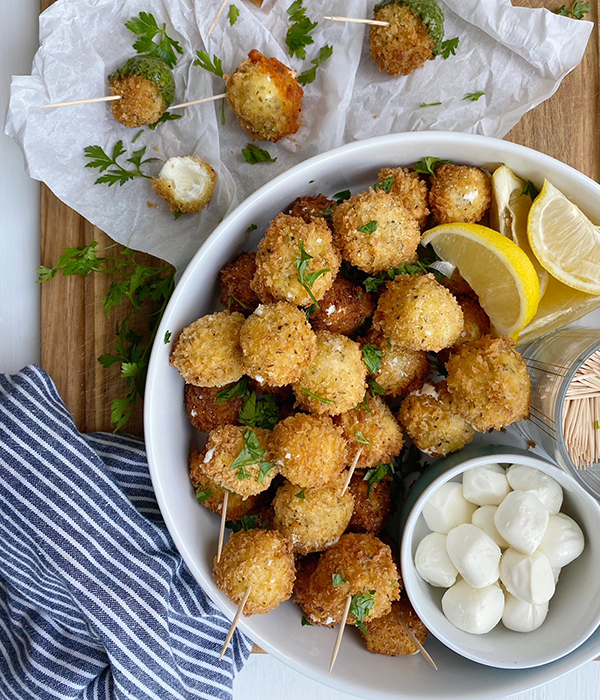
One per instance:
(516, 56)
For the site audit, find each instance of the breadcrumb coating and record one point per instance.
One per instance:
(208, 352)
(370, 513)
(386, 635)
(344, 308)
(417, 313)
(203, 410)
(477, 324)
(234, 281)
(279, 256)
(392, 234)
(411, 189)
(309, 208)
(405, 45)
(458, 286)
(373, 431)
(224, 445)
(335, 381)
(265, 97)
(431, 419)
(259, 558)
(459, 193)
(186, 183)
(312, 518)
(310, 451)
(142, 102)
(489, 383)
(366, 564)
(278, 343)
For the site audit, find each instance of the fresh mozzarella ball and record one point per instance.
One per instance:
(483, 518)
(447, 508)
(522, 520)
(523, 617)
(433, 563)
(485, 485)
(475, 555)
(474, 610)
(547, 489)
(528, 577)
(563, 541)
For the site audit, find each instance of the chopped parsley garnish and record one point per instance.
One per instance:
(449, 47)
(213, 65)
(307, 279)
(342, 196)
(259, 413)
(137, 136)
(385, 184)
(429, 104)
(360, 607)
(167, 337)
(247, 522)
(114, 172)
(428, 165)
(301, 494)
(202, 495)
(421, 266)
(369, 228)
(314, 396)
(146, 28)
(530, 189)
(361, 438)
(577, 11)
(298, 34)
(375, 387)
(338, 580)
(232, 299)
(306, 622)
(372, 284)
(474, 96)
(326, 212)
(310, 74)
(372, 356)
(378, 473)
(238, 391)
(166, 117)
(251, 454)
(233, 14)
(364, 404)
(253, 154)
(252, 227)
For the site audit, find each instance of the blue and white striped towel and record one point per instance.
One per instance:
(95, 601)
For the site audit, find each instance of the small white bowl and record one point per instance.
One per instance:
(574, 611)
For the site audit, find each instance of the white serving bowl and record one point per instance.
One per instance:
(574, 610)
(169, 434)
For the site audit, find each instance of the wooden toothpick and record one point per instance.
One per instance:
(351, 472)
(106, 98)
(197, 102)
(415, 641)
(222, 528)
(340, 634)
(216, 19)
(359, 20)
(240, 610)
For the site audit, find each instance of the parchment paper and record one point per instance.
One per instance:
(517, 56)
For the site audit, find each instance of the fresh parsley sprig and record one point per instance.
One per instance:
(253, 154)
(202, 494)
(237, 390)
(259, 413)
(360, 607)
(166, 117)
(530, 189)
(233, 14)
(146, 28)
(338, 580)
(578, 10)
(428, 165)
(449, 47)
(298, 36)
(372, 356)
(114, 172)
(385, 184)
(214, 65)
(248, 521)
(369, 227)
(251, 454)
(307, 279)
(309, 75)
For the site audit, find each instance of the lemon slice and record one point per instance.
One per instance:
(500, 273)
(564, 240)
(508, 215)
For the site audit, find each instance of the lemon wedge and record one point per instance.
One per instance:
(508, 215)
(564, 240)
(499, 272)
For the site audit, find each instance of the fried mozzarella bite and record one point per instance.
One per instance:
(234, 281)
(289, 257)
(477, 324)
(371, 429)
(402, 371)
(335, 381)
(146, 87)
(459, 193)
(204, 409)
(208, 352)
(410, 39)
(211, 495)
(259, 558)
(265, 97)
(313, 519)
(411, 189)
(186, 183)
(315, 207)
(278, 343)
(343, 309)
(372, 504)
(363, 566)
(386, 635)
(431, 419)
(489, 383)
(375, 231)
(310, 451)
(417, 313)
(237, 458)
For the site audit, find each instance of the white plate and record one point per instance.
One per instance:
(169, 434)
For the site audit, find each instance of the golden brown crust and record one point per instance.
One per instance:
(477, 324)
(458, 286)
(204, 412)
(370, 513)
(259, 558)
(405, 45)
(265, 97)
(234, 280)
(309, 208)
(386, 635)
(489, 383)
(459, 193)
(343, 309)
(411, 189)
(142, 101)
(208, 352)
(184, 202)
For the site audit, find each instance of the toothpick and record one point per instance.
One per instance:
(338, 641)
(240, 610)
(216, 19)
(197, 102)
(106, 98)
(415, 641)
(351, 472)
(222, 528)
(359, 20)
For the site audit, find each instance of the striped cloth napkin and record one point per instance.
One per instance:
(95, 601)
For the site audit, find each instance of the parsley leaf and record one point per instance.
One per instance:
(474, 96)
(375, 387)
(247, 522)
(428, 165)
(577, 11)
(310, 74)
(238, 390)
(378, 473)
(342, 196)
(338, 580)
(166, 117)
(167, 337)
(114, 172)
(307, 279)
(233, 14)
(251, 454)
(314, 396)
(301, 494)
(385, 184)
(429, 104)
(372, 356)
(297, 36)
(254, 155)
(369, 228)
(202, 495)
(361, 438)
(449, 47)
(259, 413)
(306, 622)
(146, 28)
(360, 607)
(530, 189)
(212, 66)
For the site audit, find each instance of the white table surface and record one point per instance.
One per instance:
(263, 678)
